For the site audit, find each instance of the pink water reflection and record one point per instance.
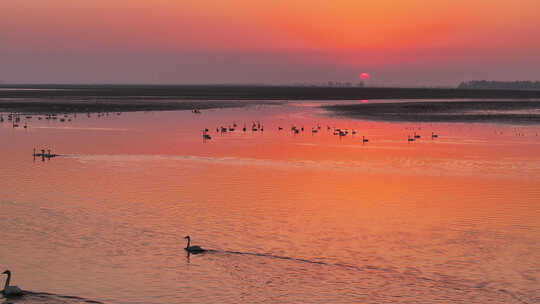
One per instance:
(385, 217)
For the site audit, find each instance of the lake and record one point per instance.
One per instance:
(289, 217)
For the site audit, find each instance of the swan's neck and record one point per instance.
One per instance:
(188, 241)
(7, 281)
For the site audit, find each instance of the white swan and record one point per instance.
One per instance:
(10, 290)
(192, 249)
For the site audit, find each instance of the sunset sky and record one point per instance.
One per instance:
(399, 42)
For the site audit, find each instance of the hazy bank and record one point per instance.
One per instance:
(451, 111)
(202, 92)
(111, 98)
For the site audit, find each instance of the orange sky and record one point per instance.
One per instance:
(338, 36)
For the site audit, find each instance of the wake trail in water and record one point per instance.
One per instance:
(365, 268)
(300, 260)
(32, 297)
(275, 257)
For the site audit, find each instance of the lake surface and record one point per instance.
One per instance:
(290, 218)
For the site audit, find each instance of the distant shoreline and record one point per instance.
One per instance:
(519, 112)
(227, 92)
(129, 98)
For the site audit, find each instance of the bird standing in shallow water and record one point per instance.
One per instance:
(192, 249)
(10, 291)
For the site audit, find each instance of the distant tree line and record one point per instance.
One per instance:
(509, 85)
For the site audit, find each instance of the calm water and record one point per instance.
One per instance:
(306, 218)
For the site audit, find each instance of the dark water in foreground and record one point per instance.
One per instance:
(306, 218)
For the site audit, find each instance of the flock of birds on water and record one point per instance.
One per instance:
(16, 118)
(14, 291)
(341, 132)
(19, 120)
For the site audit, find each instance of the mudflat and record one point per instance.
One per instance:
(248, 92)
(511, 111)
(111, 98)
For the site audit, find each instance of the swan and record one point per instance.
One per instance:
(192, 249)
(10, 290)
(206, 136)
